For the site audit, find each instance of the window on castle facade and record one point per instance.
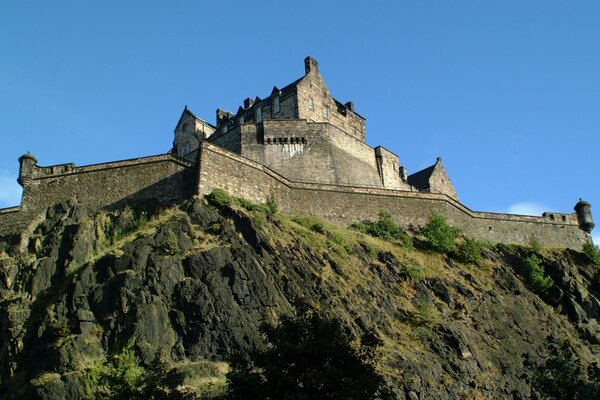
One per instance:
(311, 104)
(276, 105)
(326, 112)
(258, 115)
(241, 120)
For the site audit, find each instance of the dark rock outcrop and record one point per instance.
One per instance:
(194, 284)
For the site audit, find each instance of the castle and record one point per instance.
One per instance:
(299, 146)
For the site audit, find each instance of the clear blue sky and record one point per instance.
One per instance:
(506, 92)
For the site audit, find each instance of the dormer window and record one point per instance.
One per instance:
(311, 104)
(326, 112)
(276, 105)
(258, 115)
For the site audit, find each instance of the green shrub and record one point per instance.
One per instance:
(309, 222)
(220, 198)
(534, 243)
(534, 273)
(413, 272)
(171, 245)
(470, 250)
(593, 252)
(121, 377)
(440, 235)
(385, 228)
(140, 221)
(271, 205)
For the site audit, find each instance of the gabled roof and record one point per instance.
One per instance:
(187, 111)
(420, 179)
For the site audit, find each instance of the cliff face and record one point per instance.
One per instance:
(192, 284)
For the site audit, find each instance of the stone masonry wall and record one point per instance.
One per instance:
(313, 87)
(163, 179)
(345, 204)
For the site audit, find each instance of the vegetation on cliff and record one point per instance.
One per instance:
(153, 302)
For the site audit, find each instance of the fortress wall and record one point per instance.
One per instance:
(344, 205)
(164, 179)
(313, 152)
(239, 176)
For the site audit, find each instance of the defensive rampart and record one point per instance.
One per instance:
(346, 204)
(163, 179)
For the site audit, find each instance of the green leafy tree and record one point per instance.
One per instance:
(308, 357)
(440, 235)
(563, 378)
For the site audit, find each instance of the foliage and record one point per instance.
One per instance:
(271, 205)
(385, 228)
(122, 377)
(425, 313)
(440, 235)
(261, 211)
(413, 272)
(138, 222)
(592, 251)
(171, 245)
(469, 250)
(534, 273)
(534, 243)
(562, 377)
(119, 378)
(309, 222)
(308, 357)
(220, 198)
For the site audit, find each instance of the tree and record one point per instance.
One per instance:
(562, 377)
(308, 357)
(441, 236)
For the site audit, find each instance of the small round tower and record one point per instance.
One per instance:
(26, 163)
(584, 215)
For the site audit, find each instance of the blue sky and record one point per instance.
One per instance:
(507, 93)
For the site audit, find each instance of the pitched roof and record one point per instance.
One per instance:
(420, 179)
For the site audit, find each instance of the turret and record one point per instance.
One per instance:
(584, 215)
(26, 163)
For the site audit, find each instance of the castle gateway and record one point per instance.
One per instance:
(299, 146)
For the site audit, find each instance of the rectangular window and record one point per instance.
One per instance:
(276, 105)
(326, 112)
(311, 104)
(241, 120)
(258, 115)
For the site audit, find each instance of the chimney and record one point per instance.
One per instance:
(350, 106)
(248, 103)
(310, 64)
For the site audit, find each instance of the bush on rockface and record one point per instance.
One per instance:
(469, 250)
(261, 211)
(593, 252)
(535, 276)
(385, 228)
(440, 235)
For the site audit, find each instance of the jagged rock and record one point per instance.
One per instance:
(196, 284)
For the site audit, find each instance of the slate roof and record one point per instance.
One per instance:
(420, 179)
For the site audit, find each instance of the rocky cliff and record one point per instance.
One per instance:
(190, 285)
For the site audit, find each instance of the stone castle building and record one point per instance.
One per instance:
(301, 147)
